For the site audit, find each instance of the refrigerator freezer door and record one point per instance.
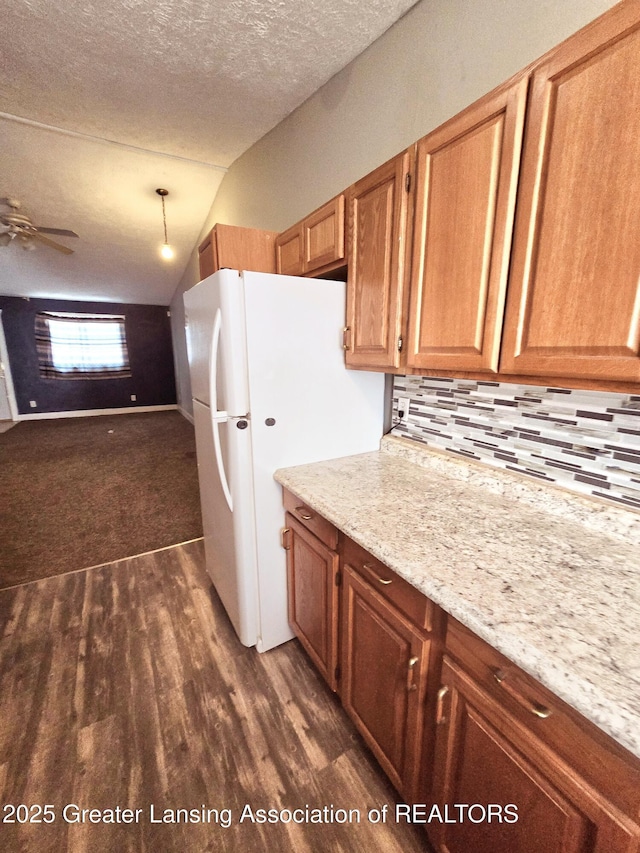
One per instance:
(216, 343)
(228, 518)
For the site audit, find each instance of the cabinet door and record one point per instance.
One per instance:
(312, 570)
(244, 248)
(483, 756)
(574, 293)
(466, 180)
(290, 251)
(379, 249)
(323, 233)
(384, 673)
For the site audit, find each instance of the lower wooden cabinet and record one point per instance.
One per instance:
(498, 762)
(385, 661)
(507, 771)
(312, 570)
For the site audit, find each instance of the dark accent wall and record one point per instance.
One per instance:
(148, 334)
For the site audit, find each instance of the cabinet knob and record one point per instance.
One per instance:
(345, 337)
(303, 512)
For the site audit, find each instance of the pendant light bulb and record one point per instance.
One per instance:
(166, 251)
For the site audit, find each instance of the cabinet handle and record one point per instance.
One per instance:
(301, 510)
(373, 569)
(284, 538)
(535, 708)
(345, 335)
(410, 682)
(440, 717)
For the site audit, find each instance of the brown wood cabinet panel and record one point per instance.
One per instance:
(309, 518)
(598, 759)
(483, 755)
(290, 251)
(315, 244)
(207, 256)
(245, 248)
(237, 248)
(313, 597)
(384, 673)
(323, 233)
(574, 293)
(466, 180)
(379, 213)
(407, 598)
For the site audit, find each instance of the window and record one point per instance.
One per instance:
(81, 346)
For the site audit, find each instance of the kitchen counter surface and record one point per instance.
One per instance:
(550, 579)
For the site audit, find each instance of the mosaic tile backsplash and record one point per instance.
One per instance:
(587, 441)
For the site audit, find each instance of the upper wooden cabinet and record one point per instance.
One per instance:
(237, 248)
(546, 223)
(207, 255)
(466, 181)
(379, 215)
(315, 245)
(290, 251)
(574, 295)
(323, 236)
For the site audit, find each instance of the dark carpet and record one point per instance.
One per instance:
(78, 492)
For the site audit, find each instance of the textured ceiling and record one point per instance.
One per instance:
(193, 79)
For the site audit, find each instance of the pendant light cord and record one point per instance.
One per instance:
(162, 193)
(164, 220)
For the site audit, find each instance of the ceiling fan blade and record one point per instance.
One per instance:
(53, 244)
(61, 232)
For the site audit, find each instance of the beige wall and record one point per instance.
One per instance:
(439, 58)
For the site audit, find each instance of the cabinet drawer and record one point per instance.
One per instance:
(384, 580)
(323, 529)
(607, 766)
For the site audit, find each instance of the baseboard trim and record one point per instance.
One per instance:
(90, 413)
(185, 414)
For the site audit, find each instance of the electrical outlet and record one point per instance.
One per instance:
(403, 408)
(33, 404)
(133, 398)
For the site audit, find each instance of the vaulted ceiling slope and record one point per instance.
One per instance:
(148, 93)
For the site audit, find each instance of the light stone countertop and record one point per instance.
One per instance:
(550, 579)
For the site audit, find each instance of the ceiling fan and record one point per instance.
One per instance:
(15, 225)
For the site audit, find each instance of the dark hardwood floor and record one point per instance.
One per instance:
(124, 686)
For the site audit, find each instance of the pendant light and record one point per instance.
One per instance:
(166, 251)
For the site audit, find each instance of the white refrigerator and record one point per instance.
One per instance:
(270, 390)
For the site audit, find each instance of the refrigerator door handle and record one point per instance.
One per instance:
(213, 367)
(218, 417)
(220, 464)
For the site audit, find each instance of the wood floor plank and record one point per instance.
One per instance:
(125, 686)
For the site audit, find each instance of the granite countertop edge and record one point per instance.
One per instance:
(484, 596)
